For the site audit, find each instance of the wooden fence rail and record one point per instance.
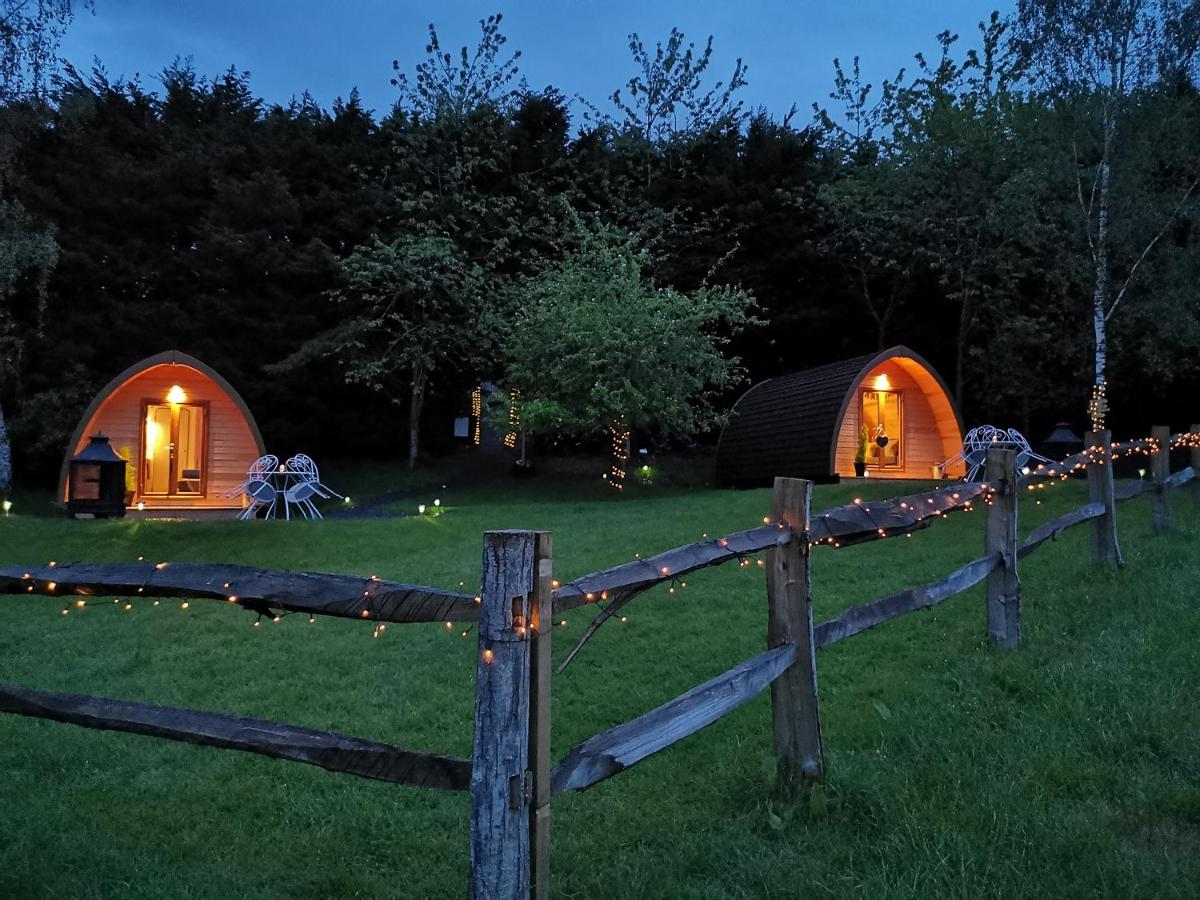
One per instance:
(510, 776)
(262, 590)
(335, 752)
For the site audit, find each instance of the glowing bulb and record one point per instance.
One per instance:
(437, 501)
(488, 656)
(420, 509)
(7, 504)
(176, 394)
(184, 605)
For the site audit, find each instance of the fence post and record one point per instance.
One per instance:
(794, 706)
(1195, 430)
(1100, 490)
(542, 610)
(1160, 468)
(1003, 583)
(501, 782)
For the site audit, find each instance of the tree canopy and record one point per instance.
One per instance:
(956, 208)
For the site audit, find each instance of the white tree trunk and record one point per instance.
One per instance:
(1101, 292)
(5, 457)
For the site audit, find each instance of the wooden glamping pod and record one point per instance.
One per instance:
(187, 434)
(808, 425)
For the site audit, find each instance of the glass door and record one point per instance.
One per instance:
(173, 455)
(882, 415)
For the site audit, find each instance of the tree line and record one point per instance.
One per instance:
(1019, 208)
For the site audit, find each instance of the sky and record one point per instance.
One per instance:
(581, 47)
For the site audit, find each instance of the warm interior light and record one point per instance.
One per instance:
(881, 382)
(176, 394)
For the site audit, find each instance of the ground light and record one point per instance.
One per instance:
(7, 504)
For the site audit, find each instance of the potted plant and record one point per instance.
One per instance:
(130, 475)
(864, 447)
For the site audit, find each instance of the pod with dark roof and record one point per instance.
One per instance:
(812, 424)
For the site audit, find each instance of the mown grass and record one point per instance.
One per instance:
(1069, 767)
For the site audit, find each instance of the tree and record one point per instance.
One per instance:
(30, 32)
(445, 89)
(27, 256)
(1101, 62)
(957, 142)
(666, 97)
(412, 306)
(594, 347)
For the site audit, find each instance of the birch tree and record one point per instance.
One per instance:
(1097, 61)
(27, 257)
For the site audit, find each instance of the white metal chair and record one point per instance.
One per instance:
(977, 441)
(261, 493)
(301, 493)
(258, 471)
(305, 469)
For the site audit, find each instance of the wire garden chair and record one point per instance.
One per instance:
(305, 484)
(977, 441)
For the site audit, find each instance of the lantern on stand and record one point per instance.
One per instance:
(96, 482)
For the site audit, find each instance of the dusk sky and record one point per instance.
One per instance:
(578, 46)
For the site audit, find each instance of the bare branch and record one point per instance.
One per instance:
(1150, 246)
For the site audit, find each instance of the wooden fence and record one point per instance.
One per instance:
(511, 776)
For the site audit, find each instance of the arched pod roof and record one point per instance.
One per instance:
(789, 425)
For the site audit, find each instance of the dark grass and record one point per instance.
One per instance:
(1069, 767)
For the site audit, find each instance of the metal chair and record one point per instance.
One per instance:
(305, 469)
(301, 494)
(261, 493)
(977, 441)
(258, 471)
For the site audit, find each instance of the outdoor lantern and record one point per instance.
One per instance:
(1062, 441)
(96, 482)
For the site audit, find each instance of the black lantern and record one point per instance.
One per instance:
(1061, 442)
(97, 481)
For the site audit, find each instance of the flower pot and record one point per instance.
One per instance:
(860, 469)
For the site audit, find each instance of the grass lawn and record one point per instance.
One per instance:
(1069, 767)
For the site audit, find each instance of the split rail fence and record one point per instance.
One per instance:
(511, 776)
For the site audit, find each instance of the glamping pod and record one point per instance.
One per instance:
(187, 435)
(810, 424)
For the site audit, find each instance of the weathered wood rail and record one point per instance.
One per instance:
(510, 776)
(335, 752)
(265, 591)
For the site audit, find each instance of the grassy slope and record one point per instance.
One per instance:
(1069, 767)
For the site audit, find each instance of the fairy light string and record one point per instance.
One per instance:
(860, 521)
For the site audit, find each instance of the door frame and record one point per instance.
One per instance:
(202, 494)
(900, 457)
